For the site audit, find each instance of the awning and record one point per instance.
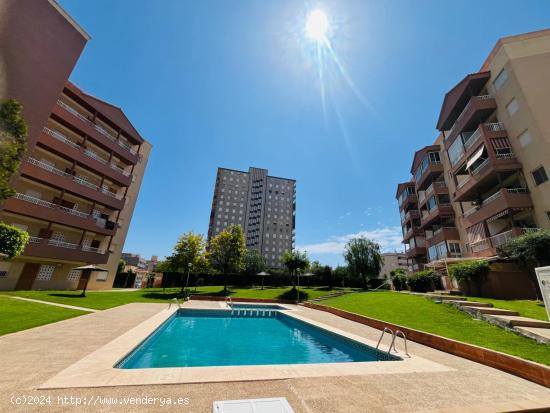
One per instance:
(475, 157)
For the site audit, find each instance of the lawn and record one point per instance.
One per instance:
(20, 315)
(525, 308)
(104, 300)
(442, 319)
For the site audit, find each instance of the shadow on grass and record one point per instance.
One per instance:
(75, 295)
(291, 295)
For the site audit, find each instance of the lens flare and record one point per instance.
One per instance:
(317, 25)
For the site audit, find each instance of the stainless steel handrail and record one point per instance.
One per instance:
(177, 302)
(397, 333)
(386, 330)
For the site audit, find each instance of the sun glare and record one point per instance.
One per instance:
(317, 25)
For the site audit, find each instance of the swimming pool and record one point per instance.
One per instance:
(192, 338)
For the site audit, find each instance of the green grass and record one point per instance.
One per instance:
(104, 300)
(525, 308)
(20, 315)
(442, 319)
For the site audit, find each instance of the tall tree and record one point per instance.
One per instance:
(227, 251)
(363, 258)
(530, 250)
(13, 143)
(295, 261)
(254, 262)
(189, 256)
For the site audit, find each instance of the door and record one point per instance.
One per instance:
(27, 277)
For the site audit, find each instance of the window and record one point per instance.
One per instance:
(3, 274)
(73, 275)
(512, 107)
(539, 175)
(525, 138)
(45, 272)
(501, 79)
(431, 203)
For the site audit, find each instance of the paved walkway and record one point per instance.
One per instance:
(74, 307)
(31, 357)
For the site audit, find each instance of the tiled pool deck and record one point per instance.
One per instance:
(79, 352)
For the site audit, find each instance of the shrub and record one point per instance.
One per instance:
(12, 240)
(423, 281)
(399, 279)
(468, 270)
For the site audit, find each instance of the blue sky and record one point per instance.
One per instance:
(236, 84)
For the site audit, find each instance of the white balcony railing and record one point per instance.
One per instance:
(466, 108)
(480, 167)
(93, 155)
(473, 139)
(60, 137)
(47, 167)
(111, 193)
(83, 181)
(34, 200)
(494, 126)
(62, 244)
(35, 240)
(92, 249)
(119, 169)
(98, 128)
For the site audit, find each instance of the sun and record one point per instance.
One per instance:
(317, 25)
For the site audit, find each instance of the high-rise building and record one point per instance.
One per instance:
(392, 261)
(264, 206)
(79, 180)
(484, 180)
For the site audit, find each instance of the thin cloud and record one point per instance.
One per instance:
(389, 239)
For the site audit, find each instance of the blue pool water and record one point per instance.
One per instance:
(193, 338)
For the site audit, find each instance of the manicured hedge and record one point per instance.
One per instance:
(12, 240)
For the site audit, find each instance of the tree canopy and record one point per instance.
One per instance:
(295, 261)
(254, 262)
(363, 258)
(227, 251)
(13, 143)
(12, 240)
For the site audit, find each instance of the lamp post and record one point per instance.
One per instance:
(186, 294)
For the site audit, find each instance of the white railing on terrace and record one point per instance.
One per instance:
(95, 156)
(119, 169)
(96, 127)
(517, 190)
(35, 240)
(60, 137)
(83, 181)
(492, 198)
(111, 193)
(494, 126)
(480, 245)
(34, 200)
(506, 155)
(469, 212)
(430, 189)
(62, 244)
(500, 239)
(73, 211)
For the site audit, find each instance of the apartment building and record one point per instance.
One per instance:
(392, 261)
(484, 180)
(264, 206)
(78, 183)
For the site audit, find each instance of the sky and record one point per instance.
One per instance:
(236, 84)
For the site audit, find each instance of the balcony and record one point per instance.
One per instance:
(409, 199)
(442, 234)
(437, 188)
(96, 132)
(38, 208)
(413, 232)
(433, 170)
(478, 108)
(63, 146)
(485, 175)
(410, 215)
(50, 175)
(48, 248)
(506, 199)
(415, 251)
(436, 213)
(488, 247)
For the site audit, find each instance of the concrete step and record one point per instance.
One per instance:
(448, 292)
(497, 311)
(470, 303)
(445, 297)
(518, 321)
(539, 334)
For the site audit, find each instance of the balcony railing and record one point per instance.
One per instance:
(51, 205)
(93, 155)
(60, 137)
(93, 249)
(500, 239)
(78, 179)
(466, 108)
(119, 169)
(64, 244)
(98, 128)
(473, 139)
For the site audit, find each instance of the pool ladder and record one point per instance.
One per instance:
(229, 303)
(392, 344)
(251, 312)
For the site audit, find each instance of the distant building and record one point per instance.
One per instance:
(264, 206)
(134, 260)
(393, 260)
